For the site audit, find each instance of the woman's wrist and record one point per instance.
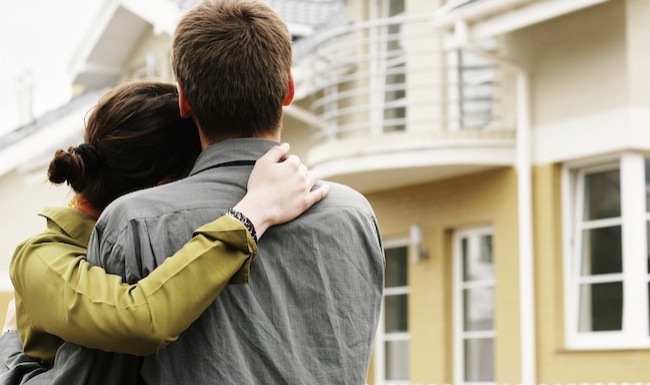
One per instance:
(241, 217)
(258, 216)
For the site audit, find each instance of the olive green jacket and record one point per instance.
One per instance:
(60, 296)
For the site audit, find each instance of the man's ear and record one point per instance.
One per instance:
(183, 105)
(291, 89)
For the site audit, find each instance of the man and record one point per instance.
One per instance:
(310, 310)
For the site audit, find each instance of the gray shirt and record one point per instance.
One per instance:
(310, 311)
(73, 365)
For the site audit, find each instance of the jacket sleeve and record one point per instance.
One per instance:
(85, 305)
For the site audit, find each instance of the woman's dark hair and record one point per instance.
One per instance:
(134, 139)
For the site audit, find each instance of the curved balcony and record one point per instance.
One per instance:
(391, 107)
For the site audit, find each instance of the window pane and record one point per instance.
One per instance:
(396, 7)
(479, 309)
(602, 195)
(397, 360)
(647, 185)
(479, 360)
(477, 259)
(485, 249)
(601, 307)
(396, 266)
(602, 251)
(396, 313)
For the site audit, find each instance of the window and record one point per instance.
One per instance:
(606, 253)
(392, 342)
(147, 69)
(390, 68)
(474, 282)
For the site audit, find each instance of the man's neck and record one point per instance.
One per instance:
(205, 142)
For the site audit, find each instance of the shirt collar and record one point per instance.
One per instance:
(73, 222)
(232, 150)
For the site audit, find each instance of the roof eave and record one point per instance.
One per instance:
(93, 35)
(161, 15)
(489, 18)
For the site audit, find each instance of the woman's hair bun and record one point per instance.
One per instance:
(68, 167)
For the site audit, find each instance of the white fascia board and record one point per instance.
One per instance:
(40, 141)
(425, 153)
(474, 12)
(494, 17)
(162, 14)
(101, 69)
(607, 132)
(529, 15)
(97, 28)
(499, 155)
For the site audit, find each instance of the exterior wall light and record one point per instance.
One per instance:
(417, 252)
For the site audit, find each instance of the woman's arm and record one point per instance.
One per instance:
(64, 295)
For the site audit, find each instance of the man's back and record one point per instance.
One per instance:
(310, 311)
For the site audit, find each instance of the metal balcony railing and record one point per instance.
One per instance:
(393, 75)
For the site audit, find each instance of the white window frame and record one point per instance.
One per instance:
(458, 286)
(381, 336)
(635, 331)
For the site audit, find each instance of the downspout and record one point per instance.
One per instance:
(524, 202)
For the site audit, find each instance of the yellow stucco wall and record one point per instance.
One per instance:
(487, 198)
(638, 35)
(22, 197)
(570, 57)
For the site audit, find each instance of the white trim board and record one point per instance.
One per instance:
(42, 140)
(615, 130)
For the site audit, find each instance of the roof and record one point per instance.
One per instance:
(45, 119)
(313, 13)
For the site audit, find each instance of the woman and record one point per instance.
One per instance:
(135, 139)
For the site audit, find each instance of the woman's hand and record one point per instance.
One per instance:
(279, 189)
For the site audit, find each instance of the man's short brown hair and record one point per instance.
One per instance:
(232, 59)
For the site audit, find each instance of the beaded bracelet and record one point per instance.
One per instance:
(244, 221)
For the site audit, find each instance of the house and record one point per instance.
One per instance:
(505, 146)
(129, 39)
